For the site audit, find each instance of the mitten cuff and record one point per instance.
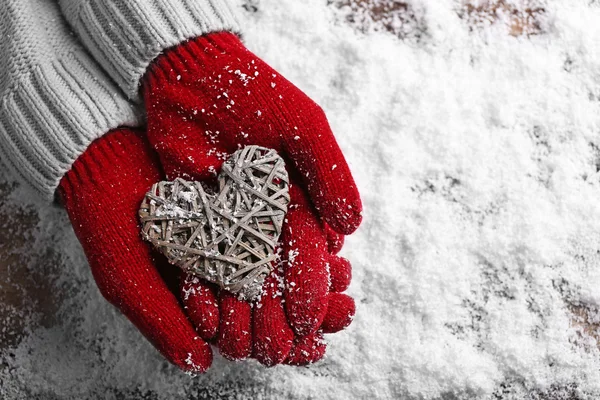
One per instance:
(106, 162)
(125, 36)
(196, 57)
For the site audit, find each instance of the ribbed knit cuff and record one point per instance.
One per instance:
(51, 115)
(125, 36)
(108, 162)
(195, 57)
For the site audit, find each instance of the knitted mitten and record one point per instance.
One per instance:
(262, 330)
(207, 97)
(102, 194)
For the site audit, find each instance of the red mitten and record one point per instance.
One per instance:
(102, 194)
(207, 97)
(262, 330)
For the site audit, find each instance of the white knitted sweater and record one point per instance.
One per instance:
(70, 72)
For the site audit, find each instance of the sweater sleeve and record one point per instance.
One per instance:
(126, 35)
(54, 98)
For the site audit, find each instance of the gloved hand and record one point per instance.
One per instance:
(211, 95)
(102, 194)
(261, 330)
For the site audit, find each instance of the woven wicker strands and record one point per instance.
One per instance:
(227, 236)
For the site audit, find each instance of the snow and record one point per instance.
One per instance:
(476, 269)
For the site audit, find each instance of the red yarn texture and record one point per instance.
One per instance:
(102, 194)
(207, 97)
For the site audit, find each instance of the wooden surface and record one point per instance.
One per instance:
(27, 294)
(519, 21)
(401, 19)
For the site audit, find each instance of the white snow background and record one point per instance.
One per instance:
(477, 155)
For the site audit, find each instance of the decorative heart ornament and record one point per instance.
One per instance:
(227, 236)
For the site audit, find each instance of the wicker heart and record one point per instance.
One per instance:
(227, 236)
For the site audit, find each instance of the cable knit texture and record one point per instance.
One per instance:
(54, 99)
(125, 36)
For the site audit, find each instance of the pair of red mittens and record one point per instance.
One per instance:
(205, 99)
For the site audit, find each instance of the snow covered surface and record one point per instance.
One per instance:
(477, 268)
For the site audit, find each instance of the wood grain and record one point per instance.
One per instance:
(520, 18)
